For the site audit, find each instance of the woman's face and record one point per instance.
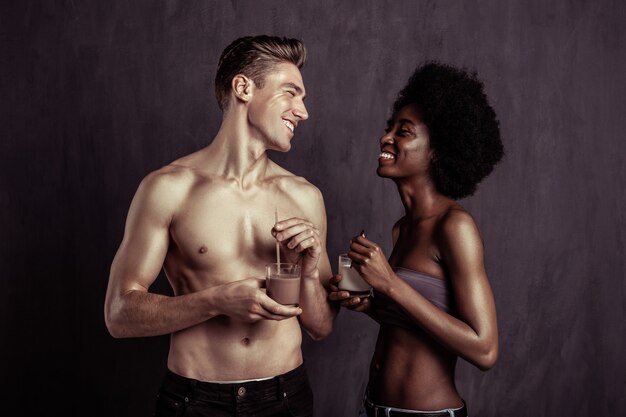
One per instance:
(405, 146)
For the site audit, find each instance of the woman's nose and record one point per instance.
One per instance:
(387, 138)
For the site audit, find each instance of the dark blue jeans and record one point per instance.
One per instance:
(284, 395)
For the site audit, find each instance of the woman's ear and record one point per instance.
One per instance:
(242, 87)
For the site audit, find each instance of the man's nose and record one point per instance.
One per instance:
(300, 112)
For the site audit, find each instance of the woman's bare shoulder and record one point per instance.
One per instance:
(456, 223)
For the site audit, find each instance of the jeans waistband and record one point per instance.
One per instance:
(192, 388)
(374, 410)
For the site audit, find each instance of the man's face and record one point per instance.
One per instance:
(275, 110)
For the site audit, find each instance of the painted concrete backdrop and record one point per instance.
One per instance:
(96, 94)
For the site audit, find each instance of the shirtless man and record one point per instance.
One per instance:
(209, 220)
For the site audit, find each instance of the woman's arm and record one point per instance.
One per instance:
(360, 304)
(473, 335)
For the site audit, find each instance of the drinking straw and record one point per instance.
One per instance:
(277, 244)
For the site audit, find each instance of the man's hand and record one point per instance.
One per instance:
(360, 304)
(246, 301)
(301, 241)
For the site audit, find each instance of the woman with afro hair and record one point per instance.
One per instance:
(432, 297)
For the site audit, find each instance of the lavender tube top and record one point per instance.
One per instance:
(436, 290)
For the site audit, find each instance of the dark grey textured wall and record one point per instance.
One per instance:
(96, 94)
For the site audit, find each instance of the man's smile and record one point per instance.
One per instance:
(289, 125)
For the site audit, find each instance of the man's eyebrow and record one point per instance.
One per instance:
(295, 87)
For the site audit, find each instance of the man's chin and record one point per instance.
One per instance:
(281, 148)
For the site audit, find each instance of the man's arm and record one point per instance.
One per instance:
(307, 239)
(131, 311)
(317, 313)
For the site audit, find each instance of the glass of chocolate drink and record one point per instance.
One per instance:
(351, 280)
(283, 283)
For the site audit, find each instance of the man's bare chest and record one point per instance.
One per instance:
(218, 228)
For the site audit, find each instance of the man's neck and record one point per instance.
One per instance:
(235, 154)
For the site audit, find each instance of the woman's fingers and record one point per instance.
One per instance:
(339, 295)
(364, 305)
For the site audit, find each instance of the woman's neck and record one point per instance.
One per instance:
(420, 198)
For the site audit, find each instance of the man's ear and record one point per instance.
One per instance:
(242, 87)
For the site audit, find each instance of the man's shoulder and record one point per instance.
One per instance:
(305, 196)
(161, 192)
(168, 186)
(297, 186)
(172, 176)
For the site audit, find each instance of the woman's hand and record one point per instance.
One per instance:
(360, 304)
(369, 260)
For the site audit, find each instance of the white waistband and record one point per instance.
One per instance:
(405, 410)
(240, 381)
